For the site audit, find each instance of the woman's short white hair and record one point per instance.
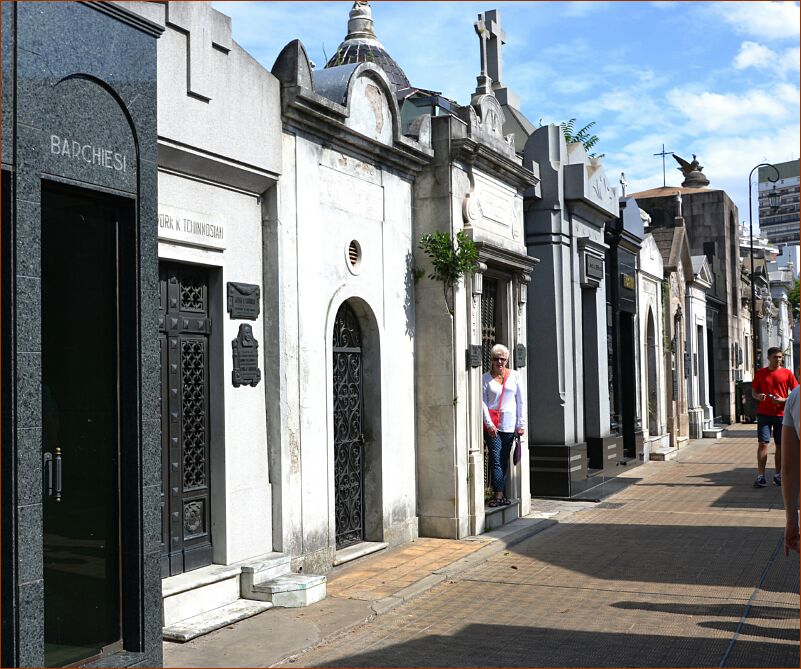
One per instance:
(499, 349)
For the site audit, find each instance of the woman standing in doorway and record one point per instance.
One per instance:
(504, 417)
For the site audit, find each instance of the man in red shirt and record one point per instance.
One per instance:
(771, 386)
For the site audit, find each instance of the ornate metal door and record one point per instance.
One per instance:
(348, 438)
(184, 327)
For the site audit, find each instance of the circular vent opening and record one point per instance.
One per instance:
(354, 254)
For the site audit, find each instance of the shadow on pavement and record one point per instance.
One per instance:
(752, 630)
(740, 492)
(693, 555)
(712, 610)
(513, 646)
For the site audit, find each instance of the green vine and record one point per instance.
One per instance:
(451, 259)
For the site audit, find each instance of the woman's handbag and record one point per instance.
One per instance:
(495, 414)
(518, 449)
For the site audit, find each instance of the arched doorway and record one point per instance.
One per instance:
(653, 396)
(348, 435)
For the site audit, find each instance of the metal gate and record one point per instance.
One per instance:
(489, 319)
(184, 329)
(348, 437)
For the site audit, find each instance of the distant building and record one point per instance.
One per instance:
(780, 225)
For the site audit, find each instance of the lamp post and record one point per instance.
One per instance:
(755, 337)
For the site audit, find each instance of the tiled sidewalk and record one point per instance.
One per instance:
(682, 568)
(386, 573)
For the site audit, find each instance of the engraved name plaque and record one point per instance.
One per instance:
(520, 355)
(246, 358)
(474, 356)
(244, 300)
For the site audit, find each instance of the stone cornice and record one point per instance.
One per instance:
(493, 255)
(470, 151)
(312, 113)
(127, 16)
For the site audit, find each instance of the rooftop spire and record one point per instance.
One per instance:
(360, 21)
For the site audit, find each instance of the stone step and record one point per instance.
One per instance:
(356, 551)
(290, 590)
(186, 630)
(263, 568)
(197, 592)
(495, 517)
(713, 432)
(662, 454)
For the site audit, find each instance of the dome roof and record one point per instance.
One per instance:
(362, 46)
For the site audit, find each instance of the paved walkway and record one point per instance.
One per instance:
(683, 568)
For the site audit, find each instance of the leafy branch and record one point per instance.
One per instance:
(582, 135)
(451, 259)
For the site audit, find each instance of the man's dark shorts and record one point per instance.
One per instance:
(766, 424)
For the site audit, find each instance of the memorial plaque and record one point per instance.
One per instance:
(628, 281)
(474, 356)
(594, 267)
(246, 358)
(520, 355)
(244, 300)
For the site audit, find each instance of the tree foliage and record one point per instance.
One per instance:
(451, 259)
(581, 135)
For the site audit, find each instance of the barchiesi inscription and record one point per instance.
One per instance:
(99, 156)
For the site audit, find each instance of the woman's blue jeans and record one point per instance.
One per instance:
(499, 447)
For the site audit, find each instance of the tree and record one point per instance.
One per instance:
(582, 135)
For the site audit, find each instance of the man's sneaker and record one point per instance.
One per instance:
(777, 478)
(760, 482)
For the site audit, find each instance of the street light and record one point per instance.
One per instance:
(773, 201)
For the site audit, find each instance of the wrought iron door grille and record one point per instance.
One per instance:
(348, 439)
(488, 321)
(184, 326)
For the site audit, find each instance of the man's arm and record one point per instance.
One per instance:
(756, 391)
(790, 482)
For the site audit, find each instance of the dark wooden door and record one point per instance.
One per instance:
(184, 329)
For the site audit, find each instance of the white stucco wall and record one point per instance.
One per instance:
(649, 296)
(329, 199)
(241, 522)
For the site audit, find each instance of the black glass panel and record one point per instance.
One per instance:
(81, 424)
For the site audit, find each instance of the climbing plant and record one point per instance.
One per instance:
(451, 259)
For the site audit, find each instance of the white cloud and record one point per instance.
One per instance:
(760, 57)
(582, 8)
(762, 20)
(715, 112)
(754, 55)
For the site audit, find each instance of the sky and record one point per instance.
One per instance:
(715, 79)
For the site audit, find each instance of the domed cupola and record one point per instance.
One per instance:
(362, 46)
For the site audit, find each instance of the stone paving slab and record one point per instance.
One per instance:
(680, 569)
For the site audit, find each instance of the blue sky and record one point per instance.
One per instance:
(718, 79)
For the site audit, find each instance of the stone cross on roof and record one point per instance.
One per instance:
(491, 38)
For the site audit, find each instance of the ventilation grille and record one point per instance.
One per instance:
(354, 253)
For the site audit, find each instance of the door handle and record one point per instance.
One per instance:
(47, 473)
(51, 475)
(57, 467)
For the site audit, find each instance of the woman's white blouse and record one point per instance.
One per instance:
(513, 413)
